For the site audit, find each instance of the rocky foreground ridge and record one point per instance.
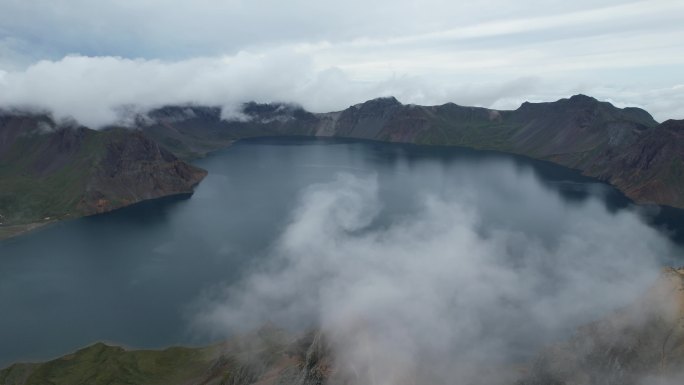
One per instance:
(623, 146)
(640, 344)
(51, 171)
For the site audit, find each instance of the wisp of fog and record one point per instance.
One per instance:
(447, 290)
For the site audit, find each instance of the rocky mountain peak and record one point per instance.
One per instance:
(581, 98)
(379, 103)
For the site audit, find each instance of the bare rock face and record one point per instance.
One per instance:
(367, 120)
(652, 168)
(135, 168)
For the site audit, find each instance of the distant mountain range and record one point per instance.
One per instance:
(52, 171)
(642, 343)
(623, 146)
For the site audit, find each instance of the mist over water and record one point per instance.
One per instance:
(450, 256)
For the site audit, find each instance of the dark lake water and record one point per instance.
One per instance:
(131, 276)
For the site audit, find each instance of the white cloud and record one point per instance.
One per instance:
(444, 291)
(94, 89)
(329, 55)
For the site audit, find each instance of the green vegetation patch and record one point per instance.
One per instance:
(29, 195)
(101, 364)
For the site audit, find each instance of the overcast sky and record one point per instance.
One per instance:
(88, 59)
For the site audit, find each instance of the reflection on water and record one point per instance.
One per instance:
(131, 275)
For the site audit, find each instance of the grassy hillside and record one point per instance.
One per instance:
(102, 364)
(43, 176)
(50, 172)
(267, 356)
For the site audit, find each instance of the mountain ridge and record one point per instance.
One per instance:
(579, 132)
(114, 167)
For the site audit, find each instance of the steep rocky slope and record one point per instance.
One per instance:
(614, 144)
(640, 344)
(50, 171)
(651, 168)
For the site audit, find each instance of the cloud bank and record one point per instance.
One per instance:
(93, 61)
(443, 292)
(99, 91)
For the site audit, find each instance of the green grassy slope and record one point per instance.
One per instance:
(30, 192)
(101, 364)
(267, 356)
(50, 172)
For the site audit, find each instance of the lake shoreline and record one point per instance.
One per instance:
(13, 231)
